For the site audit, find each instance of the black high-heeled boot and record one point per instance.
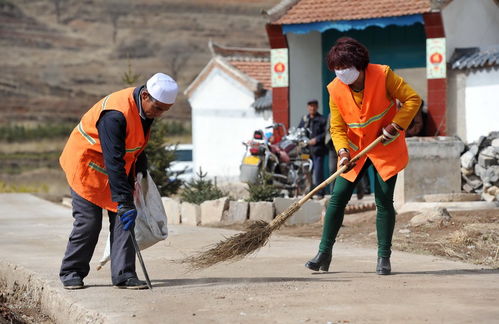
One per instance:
(383, 267)
(320, 262)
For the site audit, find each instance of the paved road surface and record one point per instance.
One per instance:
(271, 287)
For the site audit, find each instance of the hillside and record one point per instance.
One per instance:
(54, 67)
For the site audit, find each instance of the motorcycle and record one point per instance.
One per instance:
(286, 162)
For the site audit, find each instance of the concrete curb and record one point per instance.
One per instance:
(22, 285)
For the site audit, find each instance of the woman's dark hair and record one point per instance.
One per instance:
(347, 52)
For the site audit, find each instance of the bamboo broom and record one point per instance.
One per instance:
(238, 246)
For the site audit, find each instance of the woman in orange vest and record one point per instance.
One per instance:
(363, 107)
(100, 159)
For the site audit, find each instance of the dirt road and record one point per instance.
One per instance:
(271, 287)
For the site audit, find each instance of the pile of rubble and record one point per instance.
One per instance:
(480, 167)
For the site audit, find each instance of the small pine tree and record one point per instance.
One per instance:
(199, 190)
(263, 190)
(129, 78)
(159, 160)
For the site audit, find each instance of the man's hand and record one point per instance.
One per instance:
(127, 214)
(312, 141)
(344, 158)
(390, 132)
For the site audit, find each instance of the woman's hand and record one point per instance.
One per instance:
(390, 132)
(344, 159)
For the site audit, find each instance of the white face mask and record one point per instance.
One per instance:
(347, 76)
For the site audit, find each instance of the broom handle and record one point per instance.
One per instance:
(298, 204)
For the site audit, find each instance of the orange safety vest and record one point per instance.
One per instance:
(82, 158)
(364, 125)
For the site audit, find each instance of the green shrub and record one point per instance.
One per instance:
(159, 160)
(201, 189)
(22, 133)
(263, 190)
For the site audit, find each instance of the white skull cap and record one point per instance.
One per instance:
(162, 88)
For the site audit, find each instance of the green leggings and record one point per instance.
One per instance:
(385, 215)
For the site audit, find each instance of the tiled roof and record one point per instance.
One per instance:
(259, 71)
(474, 57)
(263, 102)
(308, 11)
(254, 62)
(249, 66)
(241, 53)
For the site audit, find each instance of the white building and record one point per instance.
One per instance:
(230, 99)
(472, 32)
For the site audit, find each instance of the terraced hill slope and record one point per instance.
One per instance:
(54, 67)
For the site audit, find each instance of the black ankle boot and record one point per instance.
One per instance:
(383, 267)
(320, 262)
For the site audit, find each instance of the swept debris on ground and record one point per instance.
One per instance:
(468, 236)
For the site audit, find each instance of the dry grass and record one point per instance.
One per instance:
(41, 145)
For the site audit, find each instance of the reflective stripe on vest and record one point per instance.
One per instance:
(89, 138)
(364, 123)
(372, 119)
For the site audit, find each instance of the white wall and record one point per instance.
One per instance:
(470, 23)
(456, 103)
(305, 79)
(482, 106)
(222, 118)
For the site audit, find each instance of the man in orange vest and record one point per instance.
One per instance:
(101, 158)
(362, 105)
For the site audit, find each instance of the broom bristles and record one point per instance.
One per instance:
(238, 246)
(233, 248)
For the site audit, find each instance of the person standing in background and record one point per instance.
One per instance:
(315, 124)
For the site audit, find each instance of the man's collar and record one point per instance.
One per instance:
(138, 101)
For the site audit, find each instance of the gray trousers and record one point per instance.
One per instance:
(83, 239)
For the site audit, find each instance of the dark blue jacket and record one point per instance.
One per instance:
(316, 127)
(112, 134)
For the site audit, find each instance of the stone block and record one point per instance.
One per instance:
(190, 214)
(261, 210)
(487, 197)
(468, 160)
(172, 209)
(67, 201)
(434, 167)
(491, 175)
(458, 196)
(473, 148)
(309, 213)
(432, 216)
(494, 190)
(473, 181)
(237, 213)
(486, 161)
(479, 170)
(212, 210)
(468, 188)
(495, 143)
